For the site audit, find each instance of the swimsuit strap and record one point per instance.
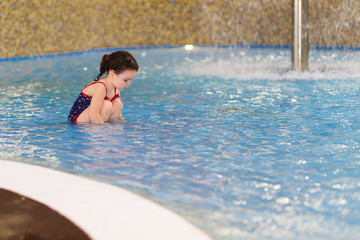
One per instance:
(106, 97)
(115, 95)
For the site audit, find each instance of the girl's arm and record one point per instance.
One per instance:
(118, 107)
(97, 103)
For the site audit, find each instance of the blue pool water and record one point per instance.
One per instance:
(230, 138)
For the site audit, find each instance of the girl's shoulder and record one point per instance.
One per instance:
(94, 86)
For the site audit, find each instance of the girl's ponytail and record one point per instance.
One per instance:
(103, 66)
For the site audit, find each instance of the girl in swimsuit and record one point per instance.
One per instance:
(100, 101)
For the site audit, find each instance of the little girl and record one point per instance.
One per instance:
(100, 101)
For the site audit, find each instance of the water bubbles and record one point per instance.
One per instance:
(283, 200)
(301, 162)
(338, 202)
(338, 186)
(240, 203)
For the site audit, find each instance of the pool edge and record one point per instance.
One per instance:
(103, 211)
(130, 48)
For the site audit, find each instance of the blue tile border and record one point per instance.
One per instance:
(261, 46)
(7, 59)
(343, 48)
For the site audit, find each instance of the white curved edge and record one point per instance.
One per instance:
(103, 211)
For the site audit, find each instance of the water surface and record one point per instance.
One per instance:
(230, 138)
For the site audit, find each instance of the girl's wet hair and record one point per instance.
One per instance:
(118, 61)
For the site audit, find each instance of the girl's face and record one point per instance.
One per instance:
(123, 80)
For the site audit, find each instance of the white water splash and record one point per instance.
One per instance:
(276, 65)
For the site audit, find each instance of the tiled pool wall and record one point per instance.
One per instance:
(45, 27)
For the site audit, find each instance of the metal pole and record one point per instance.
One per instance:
(300, 35)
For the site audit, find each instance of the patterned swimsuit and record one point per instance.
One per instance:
(83, 102)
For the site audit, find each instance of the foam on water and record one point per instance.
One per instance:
(246, 64)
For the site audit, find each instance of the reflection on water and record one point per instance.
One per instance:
(232, 139)
(100, 145)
